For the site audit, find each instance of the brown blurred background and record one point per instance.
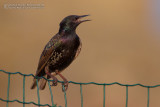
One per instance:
(120, 44)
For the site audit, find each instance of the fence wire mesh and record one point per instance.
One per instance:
(65, 97)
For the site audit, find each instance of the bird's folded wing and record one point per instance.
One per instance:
(47, 53)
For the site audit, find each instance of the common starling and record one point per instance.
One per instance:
(59, 52)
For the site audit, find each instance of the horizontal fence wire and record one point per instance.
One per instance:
(146, 86)
(65, 97)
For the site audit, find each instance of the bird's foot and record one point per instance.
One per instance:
(55, 81)
(65, 84)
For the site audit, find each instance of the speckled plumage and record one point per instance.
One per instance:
(58, 53)
(61, 50)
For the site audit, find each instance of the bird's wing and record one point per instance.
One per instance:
(47, 53)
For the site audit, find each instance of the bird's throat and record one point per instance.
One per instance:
(66, 30)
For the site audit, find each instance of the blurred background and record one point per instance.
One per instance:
(120, 44)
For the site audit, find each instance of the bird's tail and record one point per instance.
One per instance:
(42, 83)
(34, 84)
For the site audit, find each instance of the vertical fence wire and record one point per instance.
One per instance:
(65, 97)
(8, 90)
(104, 95)
(148, 98)
(81, 95)
(51, 94)
(38, 92)
(126, 96)
(24, 90)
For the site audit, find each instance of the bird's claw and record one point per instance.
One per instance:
(55, 82)
(65, 86)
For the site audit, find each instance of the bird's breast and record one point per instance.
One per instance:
(65, 54)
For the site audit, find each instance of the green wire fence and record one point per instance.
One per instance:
(65, 97)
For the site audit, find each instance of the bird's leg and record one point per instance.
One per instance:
(65, 83)
(55, 80)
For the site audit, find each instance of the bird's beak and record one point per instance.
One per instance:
(80, 21)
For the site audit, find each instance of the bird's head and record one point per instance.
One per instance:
(70, 23)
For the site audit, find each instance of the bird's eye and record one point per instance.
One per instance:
(76, 18)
